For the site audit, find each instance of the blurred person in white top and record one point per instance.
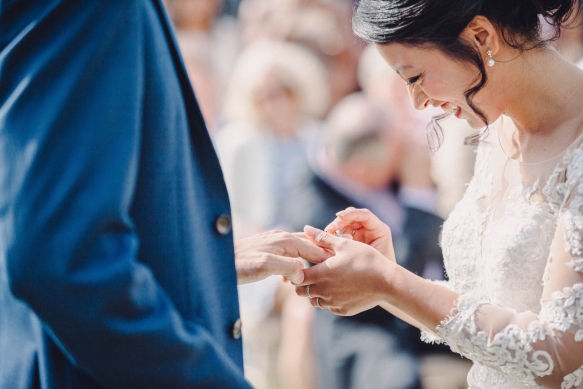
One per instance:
(323, 26)
(276, 93)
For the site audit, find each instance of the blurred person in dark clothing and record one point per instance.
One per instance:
(358, 163)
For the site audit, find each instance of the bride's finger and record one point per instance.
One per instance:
(358, 234)
(335, 224)
(343, 227)
(362, 216)
(355, 214)
(339, 224)
(344, 235)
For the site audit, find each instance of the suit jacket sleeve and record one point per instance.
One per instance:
(70, 131)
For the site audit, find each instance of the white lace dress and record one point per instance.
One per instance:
(513, 249)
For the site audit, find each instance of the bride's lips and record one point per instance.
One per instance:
(457, 111)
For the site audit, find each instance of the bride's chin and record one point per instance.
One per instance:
(475, 123)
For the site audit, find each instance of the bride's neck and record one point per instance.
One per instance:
(545, 94)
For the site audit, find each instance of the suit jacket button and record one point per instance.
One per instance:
(237, 329)
(223, 225)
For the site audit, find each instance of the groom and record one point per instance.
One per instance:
(117, 265)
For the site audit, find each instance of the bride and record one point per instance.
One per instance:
(513, 246)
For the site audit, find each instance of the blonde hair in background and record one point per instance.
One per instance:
(296, 67)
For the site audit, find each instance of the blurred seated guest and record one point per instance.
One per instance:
(209, 45)
(360, 162)
(276, 92)
(323, 26)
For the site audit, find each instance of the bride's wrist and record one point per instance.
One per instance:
(389, 285)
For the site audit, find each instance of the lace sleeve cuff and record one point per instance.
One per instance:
(461, 320)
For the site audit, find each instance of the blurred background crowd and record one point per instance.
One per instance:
(308, 120)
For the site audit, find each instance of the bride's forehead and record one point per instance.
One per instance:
(401, 57)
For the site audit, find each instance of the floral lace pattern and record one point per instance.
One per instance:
(510, 350)
(564, 310)
(573, 380)
(466, 243)
(501, 253)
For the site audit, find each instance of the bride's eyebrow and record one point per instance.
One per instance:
(400, 69)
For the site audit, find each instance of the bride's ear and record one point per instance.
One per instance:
(481, 32)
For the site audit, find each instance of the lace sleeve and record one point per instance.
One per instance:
(535, 349)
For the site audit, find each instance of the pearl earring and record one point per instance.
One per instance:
(490, 58)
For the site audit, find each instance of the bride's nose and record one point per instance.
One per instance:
(418, 98)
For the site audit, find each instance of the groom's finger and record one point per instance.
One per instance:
(290, 268)
(323, 239)
(312, 275)
(304, 248)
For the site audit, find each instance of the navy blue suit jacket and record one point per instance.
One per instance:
(112, 273)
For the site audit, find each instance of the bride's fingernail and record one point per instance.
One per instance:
(309, 230)
(341, 213)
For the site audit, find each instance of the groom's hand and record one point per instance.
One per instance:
(275, 253)
(353, 280)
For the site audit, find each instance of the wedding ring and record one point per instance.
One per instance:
(308, 292)
(318, 302)
(338, 233)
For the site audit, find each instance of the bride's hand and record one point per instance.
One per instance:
(353, 280)
(365, 227)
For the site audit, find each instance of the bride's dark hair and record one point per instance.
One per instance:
(439, 23)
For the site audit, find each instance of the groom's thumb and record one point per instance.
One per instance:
(321, 238)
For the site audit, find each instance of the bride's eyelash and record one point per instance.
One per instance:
(413, 80)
